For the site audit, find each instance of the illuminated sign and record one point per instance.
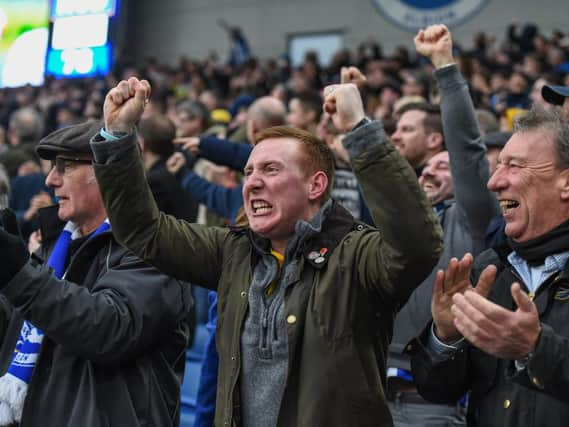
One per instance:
(79, 39)
(80, 31)
(63, 8)
(23, 41)
(79, 62)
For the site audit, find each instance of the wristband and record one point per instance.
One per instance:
(107, 136)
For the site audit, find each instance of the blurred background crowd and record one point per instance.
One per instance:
(211, 96)
(505, 79)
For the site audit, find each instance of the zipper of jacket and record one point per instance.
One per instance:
(264, 328)
(533, 294)
(267, 302)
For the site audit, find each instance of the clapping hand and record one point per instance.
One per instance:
(455, 280)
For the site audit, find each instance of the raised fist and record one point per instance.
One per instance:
(124, 105)
(435, 42)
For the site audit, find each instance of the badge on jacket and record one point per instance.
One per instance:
(562, 294)
(318, 256)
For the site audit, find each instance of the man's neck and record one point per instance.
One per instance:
(279, 245)
(91, 225)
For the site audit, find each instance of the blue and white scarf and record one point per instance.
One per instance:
(14, 384)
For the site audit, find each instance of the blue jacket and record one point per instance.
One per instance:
(224, 152)
(222, 200)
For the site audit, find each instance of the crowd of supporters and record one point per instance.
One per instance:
(198, 105)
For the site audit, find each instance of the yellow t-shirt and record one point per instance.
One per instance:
(271, 288)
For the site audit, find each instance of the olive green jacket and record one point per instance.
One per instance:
(339, 311)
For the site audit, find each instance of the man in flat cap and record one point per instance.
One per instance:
(494, 142)
(91, 335)
(556, 95)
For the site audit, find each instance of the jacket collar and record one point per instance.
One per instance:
(318, 245)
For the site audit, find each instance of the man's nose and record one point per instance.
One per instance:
(53, 179)
(427, 171)
(497, 180)
(253, 181)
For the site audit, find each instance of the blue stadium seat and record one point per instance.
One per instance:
(187, 419)
(191, 383)
(189, 393)
(196, 351)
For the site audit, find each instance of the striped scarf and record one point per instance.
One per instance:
(14, 384)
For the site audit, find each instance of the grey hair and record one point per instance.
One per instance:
(554, 121)
(27, 124)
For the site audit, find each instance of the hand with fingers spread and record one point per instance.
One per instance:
(494, 329)
(456, 280)
(124, 105)
(352, 75)
(189, 143)
(344, 105)
(435, 42)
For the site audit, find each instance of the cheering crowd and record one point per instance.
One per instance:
(383, 240)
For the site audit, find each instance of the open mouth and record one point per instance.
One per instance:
(261, 207)
(508, 205)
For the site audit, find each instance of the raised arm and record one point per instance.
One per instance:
(467, 153)
(222, 200)
(186, 251)
(408, 244)
(220, 151)
(223, 152)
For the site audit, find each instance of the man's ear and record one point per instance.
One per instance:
(563, 184)
(435, 141)
(254, 129)
(318, 185)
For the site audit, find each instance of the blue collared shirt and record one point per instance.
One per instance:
(533, 277)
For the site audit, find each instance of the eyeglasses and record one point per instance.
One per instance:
(64, 165)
